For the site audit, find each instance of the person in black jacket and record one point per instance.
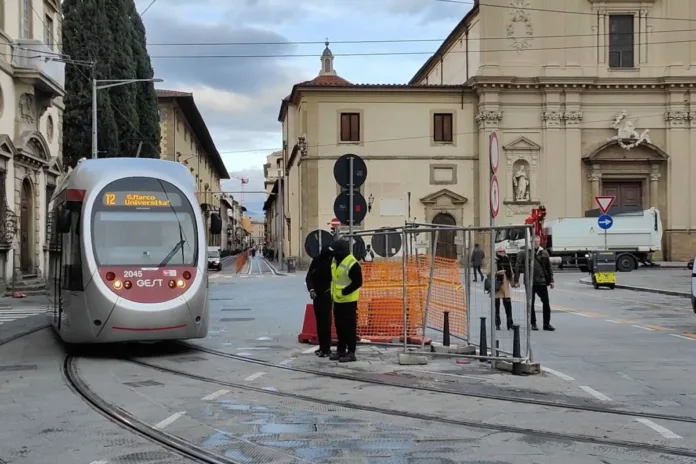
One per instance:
(318, 282)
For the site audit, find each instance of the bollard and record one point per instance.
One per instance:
(445, 330)
(516, 350)
(497, 348)
(483, 343)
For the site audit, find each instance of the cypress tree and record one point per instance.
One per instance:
(146, 96)
(122, 67)
(86, 36)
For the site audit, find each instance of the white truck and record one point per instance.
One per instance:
(634, 235)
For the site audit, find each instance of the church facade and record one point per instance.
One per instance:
(588, 97)
(591, 98)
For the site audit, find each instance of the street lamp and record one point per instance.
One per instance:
(107, 83)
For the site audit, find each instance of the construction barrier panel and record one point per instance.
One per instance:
(381, 315)
(241, 260)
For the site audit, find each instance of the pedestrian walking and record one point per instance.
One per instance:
(345, 291)
(369, 254)
(318, 282)
(504, 278)
(541, 280)
(477, 257)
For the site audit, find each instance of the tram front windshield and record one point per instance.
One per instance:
(141, 222)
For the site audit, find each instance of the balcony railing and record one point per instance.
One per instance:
(36, 55)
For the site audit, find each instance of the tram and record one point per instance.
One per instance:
(128, 255)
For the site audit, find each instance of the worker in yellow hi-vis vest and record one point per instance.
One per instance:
(345, 291)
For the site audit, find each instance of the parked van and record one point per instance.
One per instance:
(214, 258)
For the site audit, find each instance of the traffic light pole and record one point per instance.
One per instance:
(350, 203)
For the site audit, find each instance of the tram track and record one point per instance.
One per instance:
(424, 388)
(480, 425)
(128, 421)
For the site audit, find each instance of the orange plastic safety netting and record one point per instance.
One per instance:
(241, 260)
(381, 309)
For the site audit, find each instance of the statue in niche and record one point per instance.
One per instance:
(520, 183)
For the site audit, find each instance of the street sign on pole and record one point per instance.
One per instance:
(342, 172)
(494, 152)
(349, 207)
(604, 202)
(315, 241)
(495, 197)
(605, 222)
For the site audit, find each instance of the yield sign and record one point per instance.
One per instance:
(604, 202)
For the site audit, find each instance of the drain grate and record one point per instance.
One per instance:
(18, 367)
(236, 309)
(238, 319)
(186, 359)
(144, 383)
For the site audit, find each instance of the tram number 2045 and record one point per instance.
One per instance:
(133, 274)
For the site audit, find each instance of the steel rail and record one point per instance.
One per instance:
(123, 418)
(658, 449)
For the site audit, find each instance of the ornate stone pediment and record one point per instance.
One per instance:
(32, 148)
(444, 197)
(612, 151)
(522, 143)
(7, 148)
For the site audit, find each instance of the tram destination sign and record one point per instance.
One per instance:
(142, 199)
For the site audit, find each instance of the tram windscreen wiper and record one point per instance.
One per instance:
(171, 254)
(177, 247)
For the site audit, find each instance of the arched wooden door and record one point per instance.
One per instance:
(26, 249)
(446, 248)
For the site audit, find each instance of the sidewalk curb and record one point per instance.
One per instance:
(644, 289)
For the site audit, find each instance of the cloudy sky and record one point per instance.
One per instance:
(194, 46)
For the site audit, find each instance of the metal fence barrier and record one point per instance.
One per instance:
(416, 290)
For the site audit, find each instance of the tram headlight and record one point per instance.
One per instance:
(180, 283)
(187, 275)
(118, 285)
(127, 284)
(110, 276)
(172, 284)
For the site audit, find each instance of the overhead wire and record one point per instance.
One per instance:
(387, 53)
(314, 55)
(393, 41)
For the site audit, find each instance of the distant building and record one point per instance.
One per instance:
(186, 139)
(588, 101)
(272, 172)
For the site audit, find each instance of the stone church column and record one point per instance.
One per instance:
(573, 155)
(552, 165)
(678, 172)
(654, 186)
(488, 119)
(595, 177)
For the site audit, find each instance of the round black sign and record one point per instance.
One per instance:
(342, 207)
(386, 244)
(316, 240)
(358, 248)
(342, 171)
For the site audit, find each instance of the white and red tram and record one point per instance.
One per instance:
(128, 253)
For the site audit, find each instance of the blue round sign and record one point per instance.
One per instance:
(605, 222)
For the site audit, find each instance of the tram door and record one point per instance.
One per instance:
(68, 271)
(55, 265)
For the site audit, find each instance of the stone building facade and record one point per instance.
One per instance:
(31, 91)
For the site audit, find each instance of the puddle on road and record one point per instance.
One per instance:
(319, 437)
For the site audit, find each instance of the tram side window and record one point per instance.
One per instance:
(72, 255)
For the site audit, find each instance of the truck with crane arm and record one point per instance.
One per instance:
(634, 235)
